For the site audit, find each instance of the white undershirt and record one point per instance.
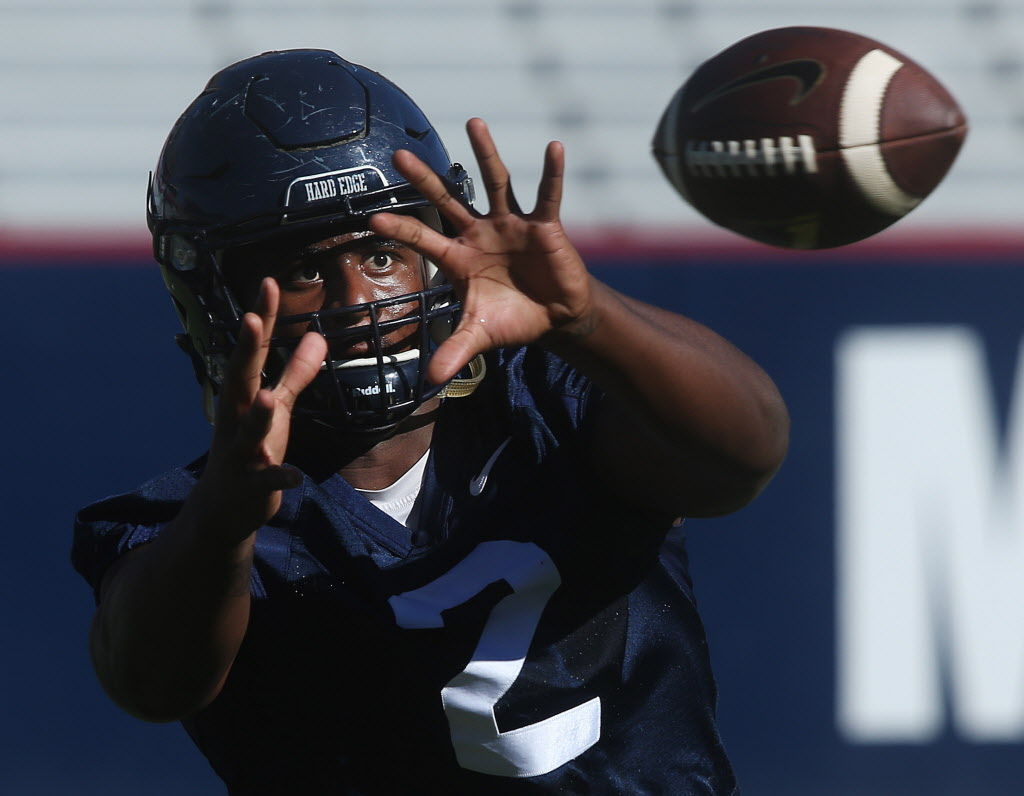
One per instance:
(398, 501)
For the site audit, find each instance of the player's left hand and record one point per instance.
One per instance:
(517, 274)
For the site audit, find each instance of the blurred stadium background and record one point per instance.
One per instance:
(866, 615)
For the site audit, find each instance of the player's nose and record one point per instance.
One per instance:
(345, 288)
(343, 314)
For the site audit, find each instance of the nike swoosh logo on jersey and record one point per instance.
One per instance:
(477, 485)
(805, 71)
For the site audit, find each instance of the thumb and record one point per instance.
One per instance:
(455, 353)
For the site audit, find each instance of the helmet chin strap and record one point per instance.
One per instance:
(456, 388)
(390, 359)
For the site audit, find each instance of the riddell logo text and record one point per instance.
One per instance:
(374, 389)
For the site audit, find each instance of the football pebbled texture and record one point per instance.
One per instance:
(808, 138)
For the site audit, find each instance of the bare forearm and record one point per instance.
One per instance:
(699, 411)
(173, 613)
(171, 619)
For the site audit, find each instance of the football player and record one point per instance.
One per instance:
(434, 545)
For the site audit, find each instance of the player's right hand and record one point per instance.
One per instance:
(240, 488)
(517, 274)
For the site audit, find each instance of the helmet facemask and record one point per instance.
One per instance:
(375, 392)
(374, 375)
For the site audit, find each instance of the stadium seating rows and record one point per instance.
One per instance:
(91, 88)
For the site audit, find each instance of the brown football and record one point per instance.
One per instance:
(808, 138)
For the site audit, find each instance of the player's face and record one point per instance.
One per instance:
(329, 273)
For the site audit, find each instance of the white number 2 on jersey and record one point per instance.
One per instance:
(469, 698)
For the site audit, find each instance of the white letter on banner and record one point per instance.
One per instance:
(930, 539)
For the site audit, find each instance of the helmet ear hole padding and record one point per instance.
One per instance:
(429, 216)
(460, 386)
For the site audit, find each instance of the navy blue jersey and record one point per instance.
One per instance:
(533, 635)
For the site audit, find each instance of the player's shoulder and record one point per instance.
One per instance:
(156, 500)
(107, 529)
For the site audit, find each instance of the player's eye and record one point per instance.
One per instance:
(379, 261)
(304, 275)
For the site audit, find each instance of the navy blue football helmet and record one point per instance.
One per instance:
(283, 142)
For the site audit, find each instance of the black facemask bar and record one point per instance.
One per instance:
(389, 199)
(190, 254)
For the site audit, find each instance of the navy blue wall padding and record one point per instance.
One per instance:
(97, 398)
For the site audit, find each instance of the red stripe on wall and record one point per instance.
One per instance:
(965, 244)
(630, 244)
(57, 248)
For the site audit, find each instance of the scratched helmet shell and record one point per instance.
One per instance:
(286, 141)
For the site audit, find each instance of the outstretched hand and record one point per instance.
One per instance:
(517, 273)
(245, 471)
